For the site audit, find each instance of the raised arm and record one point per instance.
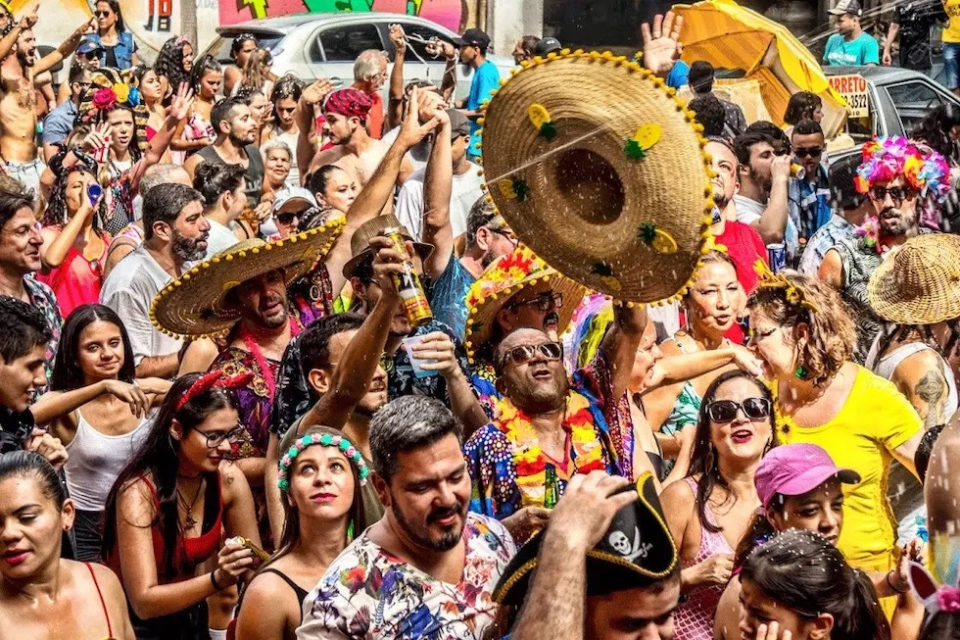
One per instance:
(180, 106)
(26, 21)
(66, 48)
(56, 246)
(437, 187)
(773, 223)
(621, 342)
(55, 405)
(395, 106)
(306, 114)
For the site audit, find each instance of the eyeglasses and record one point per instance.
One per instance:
(102, 14)
(803, 152)
(723, 411)
(542, 302)
(214, 440)
(897, 194)
(506, 233)
(527, 352)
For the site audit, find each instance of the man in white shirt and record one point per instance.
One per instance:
(466, 188)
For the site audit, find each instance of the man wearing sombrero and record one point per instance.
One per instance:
(904, 182)
(240, 295)
(606, 540)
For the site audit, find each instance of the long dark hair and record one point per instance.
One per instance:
(158, 457)
(705, 460)
(115, 7)
(200, 68)
(291, 522)
(942, 626)
(808, 575)
(56, 211)
(67, 374)
(934, 130)
(169, 62)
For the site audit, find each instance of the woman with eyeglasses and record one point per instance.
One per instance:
(173, 504)
(802, 333)
(119, 46)
(711, 307)
(712, 508)
(99, 412)
(283, 123)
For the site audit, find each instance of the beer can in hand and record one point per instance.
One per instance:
(408, 284)
(777, 256)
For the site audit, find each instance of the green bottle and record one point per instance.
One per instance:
(551, 487)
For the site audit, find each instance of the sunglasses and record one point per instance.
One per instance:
(288, 218)
(723, 411)
(102, 14)
(506, 233)
(897, 194)
(542, 302)
(527, 352)
(803, 152)
(214, 440)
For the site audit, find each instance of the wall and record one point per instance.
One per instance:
(450, 13)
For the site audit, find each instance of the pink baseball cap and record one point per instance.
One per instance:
(795, 469)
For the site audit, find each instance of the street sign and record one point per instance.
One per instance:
(853, 88)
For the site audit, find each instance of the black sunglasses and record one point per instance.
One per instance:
(897, 194)
(723, 411)
(803, 152)
(288, 218)
(527, 352)
(542, 302)
(102, 14)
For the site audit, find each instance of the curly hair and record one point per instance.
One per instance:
(56, 212)
(802, 106)
(169, 62)
(832, 330)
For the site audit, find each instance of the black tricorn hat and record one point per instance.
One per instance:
(636, 551)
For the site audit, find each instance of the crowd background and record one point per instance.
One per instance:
(276, 365)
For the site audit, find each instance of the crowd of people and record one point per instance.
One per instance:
(275, 365)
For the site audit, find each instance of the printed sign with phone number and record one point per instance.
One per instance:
(853, 88)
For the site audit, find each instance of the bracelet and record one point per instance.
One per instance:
(892, 586)
(213, 581)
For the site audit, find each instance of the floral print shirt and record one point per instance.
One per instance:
(41, 296)
(369, 593)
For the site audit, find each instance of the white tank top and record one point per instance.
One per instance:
(96, 460)
(888, 365)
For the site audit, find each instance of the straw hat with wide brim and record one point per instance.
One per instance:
(360, 241)
(601, 170)
(505, 277)
(919, 283)
(637, 551)
(194, 305)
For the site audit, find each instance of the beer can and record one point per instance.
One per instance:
(777, 256)
(412, 297)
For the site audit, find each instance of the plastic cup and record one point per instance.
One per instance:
(416, 363)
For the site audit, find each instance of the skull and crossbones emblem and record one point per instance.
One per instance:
(621, 544)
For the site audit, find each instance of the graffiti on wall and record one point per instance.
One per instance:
(449, 13)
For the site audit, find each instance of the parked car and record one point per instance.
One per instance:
(314, 45)
(897, 100)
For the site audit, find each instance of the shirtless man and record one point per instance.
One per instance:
(354, 151)
(18, 104)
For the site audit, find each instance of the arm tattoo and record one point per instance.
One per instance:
(932, 389)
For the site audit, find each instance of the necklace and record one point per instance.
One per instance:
(189, 520)
(266, 374)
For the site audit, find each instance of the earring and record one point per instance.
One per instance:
(801, 373)
(350, 532)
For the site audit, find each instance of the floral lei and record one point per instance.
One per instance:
(529, 458)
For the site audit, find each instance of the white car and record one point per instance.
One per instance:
(314, 45)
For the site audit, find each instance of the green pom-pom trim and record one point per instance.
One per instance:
(522, 189)
(548, 131)
(634, 150)
(647, 232)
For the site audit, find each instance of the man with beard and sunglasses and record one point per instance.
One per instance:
(175, 234)
(900, 179)
(428, 568)
(546, 430)
(236, 134)
(18, 96)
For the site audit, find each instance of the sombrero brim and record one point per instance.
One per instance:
(481, 318)
(193, 305)
(614, 190)
(423, 250)
(922, 288)
(609, 568)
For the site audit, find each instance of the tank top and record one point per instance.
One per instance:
(252, 177)
(694, 617)
(103, 603)
(77, 281)
(96, 459)
(888, 365)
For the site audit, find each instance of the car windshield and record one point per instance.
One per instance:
(220, 49)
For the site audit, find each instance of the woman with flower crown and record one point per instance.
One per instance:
(127, 154)
(804, 336)
(169, 508)
(320, 479)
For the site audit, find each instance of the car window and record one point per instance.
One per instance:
(913, 100)
(344, 43)
(417, 34)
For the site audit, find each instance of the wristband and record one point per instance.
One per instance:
(892, 586)
(213, 581)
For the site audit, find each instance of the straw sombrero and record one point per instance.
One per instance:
(194, 305)
(505, 277)
(601, 170)
(919, 282)
(635, 552)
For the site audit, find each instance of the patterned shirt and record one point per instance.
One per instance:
(41, 296)
(369, 593)
(254, 398)
(823, 240)
(809, 202)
